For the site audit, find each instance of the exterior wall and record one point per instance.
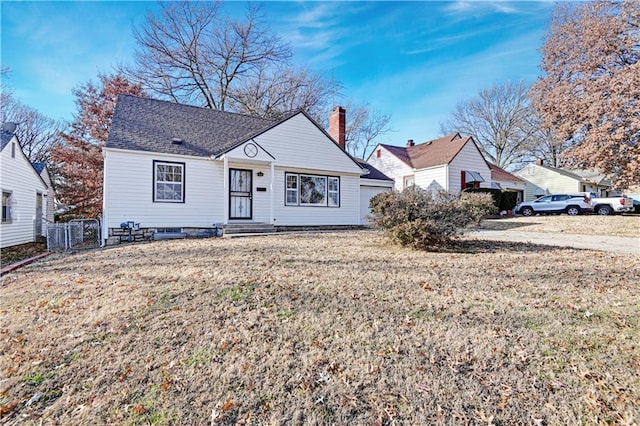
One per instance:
(369, 189)
(391, 166)
(540, 181)
(18, 176)
(433, 178)
(50, 204)
(469, 158)
(128, 192)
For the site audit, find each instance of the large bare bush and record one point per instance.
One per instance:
(425, 220)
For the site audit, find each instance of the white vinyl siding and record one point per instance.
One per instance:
(469, 158)
(298, 143)
(18, 177)
(391, 166)
(129, 188)
(433, 178)
(540, 180)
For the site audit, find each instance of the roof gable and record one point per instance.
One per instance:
(6, 138)
(432, 153)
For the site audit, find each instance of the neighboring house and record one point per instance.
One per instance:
(502, 179)
(50, 206)
(372, 183)
(177, 168)
(450, 163)
(542, 180)
(23, 194)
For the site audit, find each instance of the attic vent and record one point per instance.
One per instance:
(176, 141)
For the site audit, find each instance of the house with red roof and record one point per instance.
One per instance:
(502, 179)
(450, 163)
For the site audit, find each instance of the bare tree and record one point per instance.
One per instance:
(364, 125)
(192, 53)
(498, 119)
(589, 94)
(277, 91)
(36, 132)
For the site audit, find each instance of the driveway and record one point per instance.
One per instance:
(629, 245)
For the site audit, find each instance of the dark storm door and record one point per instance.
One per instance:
(240, 194)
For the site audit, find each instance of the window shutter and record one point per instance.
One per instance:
(463, 180)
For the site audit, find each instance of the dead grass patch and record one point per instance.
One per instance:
(617, 225)
(336, 328)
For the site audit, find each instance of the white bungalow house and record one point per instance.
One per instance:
(451, 163)
(173, 168)
(542, 180)
(24, 194)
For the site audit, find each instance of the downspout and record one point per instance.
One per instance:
(103, 225)
(446, 177)
(226, 190)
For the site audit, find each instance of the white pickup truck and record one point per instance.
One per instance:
(610, 205)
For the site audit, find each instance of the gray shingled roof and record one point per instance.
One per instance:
(39, 167)
(373, 172)
(5, 138)
(144, 124)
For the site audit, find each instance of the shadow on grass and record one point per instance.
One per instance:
(503, 224)
(491, 246)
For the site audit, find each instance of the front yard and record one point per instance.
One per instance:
(336, 328)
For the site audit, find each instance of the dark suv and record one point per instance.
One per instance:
(557, 203)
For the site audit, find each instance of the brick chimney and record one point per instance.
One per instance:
(338, 126)
(539, 162)
(410, 143)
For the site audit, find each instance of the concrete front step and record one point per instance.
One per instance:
(248, 228)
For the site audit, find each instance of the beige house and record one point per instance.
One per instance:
(542, 180)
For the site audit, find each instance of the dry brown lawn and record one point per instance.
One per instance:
(336, 328)
(617, 225)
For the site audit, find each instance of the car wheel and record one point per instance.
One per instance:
(527, 211)
(573, 210)
(604, 210)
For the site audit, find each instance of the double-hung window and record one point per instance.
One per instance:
(168, 182)
(7, 211)
(312, 190)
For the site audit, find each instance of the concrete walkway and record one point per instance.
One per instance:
(629, 245)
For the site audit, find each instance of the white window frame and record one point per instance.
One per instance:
(327, 201)
(291, 190)
(156, 182)
(336, 192)
(7, 206)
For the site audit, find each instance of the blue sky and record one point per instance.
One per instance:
(412, 60)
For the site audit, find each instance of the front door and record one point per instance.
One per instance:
(240, 194)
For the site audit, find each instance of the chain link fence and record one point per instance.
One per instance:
(73, 235)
